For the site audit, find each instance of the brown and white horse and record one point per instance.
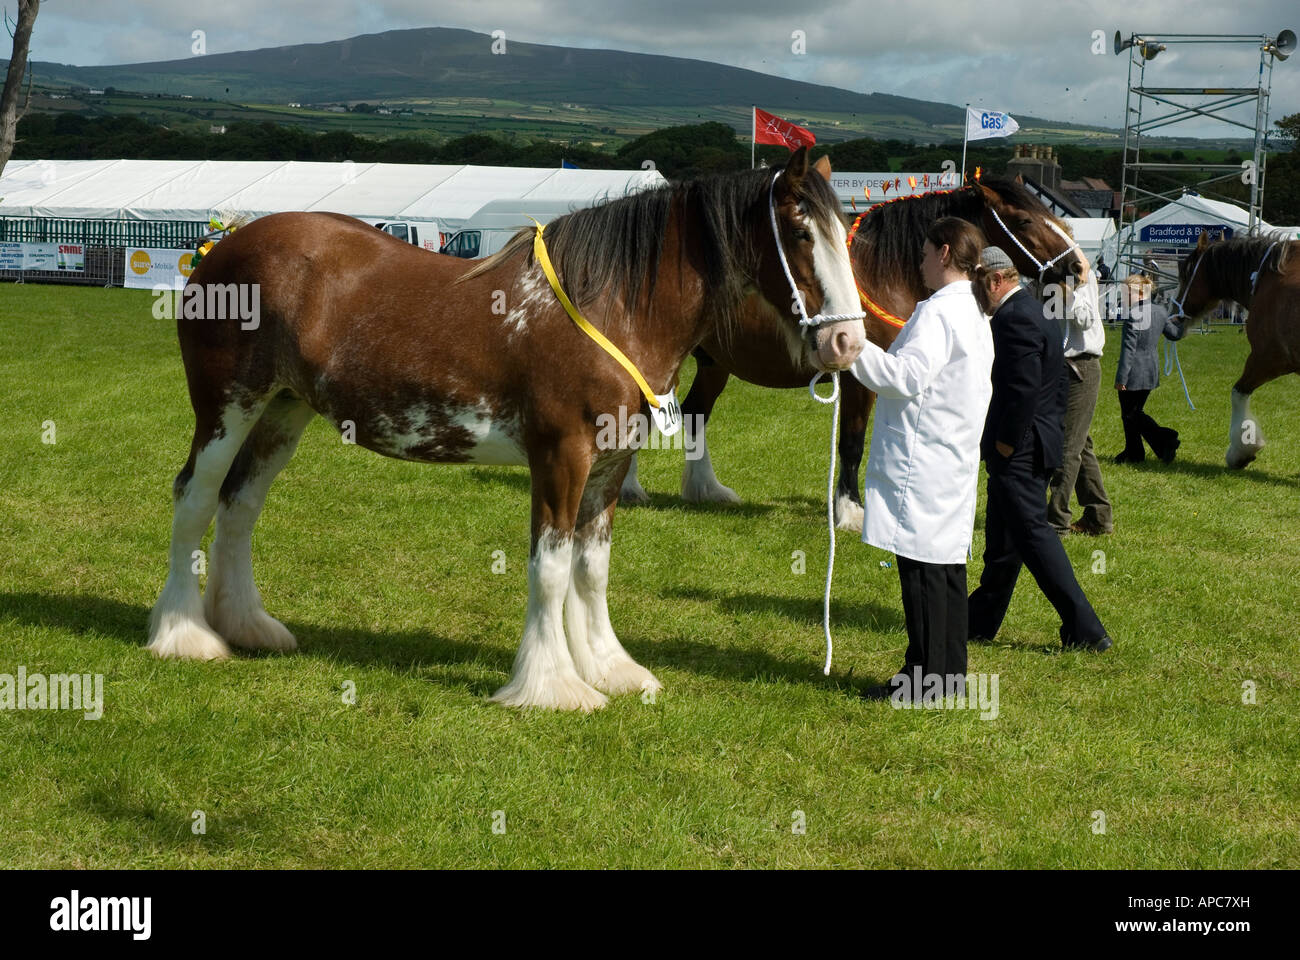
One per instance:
(886, 256)
(415, 357)
(1258, 273)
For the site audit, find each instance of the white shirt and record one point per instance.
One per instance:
(1084, 330)
(933, 387)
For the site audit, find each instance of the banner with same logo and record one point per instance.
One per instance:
(66, 257)
(150, 267)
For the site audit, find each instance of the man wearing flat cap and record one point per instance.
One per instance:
(1021, 447)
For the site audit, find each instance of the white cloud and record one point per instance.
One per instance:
(1019, 55)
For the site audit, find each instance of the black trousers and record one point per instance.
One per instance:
(1016, 533)
(1139, 425)
(934, 606)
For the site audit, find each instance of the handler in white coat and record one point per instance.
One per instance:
(933, 387)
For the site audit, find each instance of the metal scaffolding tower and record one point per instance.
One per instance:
(1152, 184)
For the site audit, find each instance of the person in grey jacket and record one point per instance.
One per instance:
(1139, 373)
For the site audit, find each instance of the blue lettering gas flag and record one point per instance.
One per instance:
(984, 124)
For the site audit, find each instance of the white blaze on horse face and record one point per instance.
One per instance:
(838, 344)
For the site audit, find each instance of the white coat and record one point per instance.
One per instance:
(933, 387)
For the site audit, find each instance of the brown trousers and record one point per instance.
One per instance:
(1080, 474)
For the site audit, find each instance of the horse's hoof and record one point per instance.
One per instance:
(712, 493)
(633, 496)
(628, 676)
(183, 638)
(557, 691)
(849, 514)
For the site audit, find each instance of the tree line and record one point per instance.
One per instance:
(676, 152)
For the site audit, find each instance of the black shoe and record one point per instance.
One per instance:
(1167, 454)
(1100, 645)
(978, 638)
(1125, 457)
(881, 691)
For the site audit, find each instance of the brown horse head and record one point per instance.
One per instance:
(1037, 242)
(813, 243)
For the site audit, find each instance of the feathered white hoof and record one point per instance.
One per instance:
(706, 490)
(632, 494)
(553, 691)
(627, 676)
(174, 636)
(1239, 456)
(254, 630)
(849, 515)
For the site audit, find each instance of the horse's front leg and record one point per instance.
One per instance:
(544, 673)
(600, 659)
(855, 409)
(1245, 438)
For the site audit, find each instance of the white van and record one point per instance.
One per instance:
(422, 233)
(488, 230)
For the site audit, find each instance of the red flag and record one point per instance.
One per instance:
(769, 128)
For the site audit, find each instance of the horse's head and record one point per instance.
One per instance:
(803, 264)
(1194, 295)
(1038, 244)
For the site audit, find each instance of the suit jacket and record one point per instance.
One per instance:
(1030, 385)
(1139, 367)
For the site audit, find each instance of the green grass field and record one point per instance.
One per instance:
(383, 570)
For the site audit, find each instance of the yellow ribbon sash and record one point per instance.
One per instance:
(539, 251)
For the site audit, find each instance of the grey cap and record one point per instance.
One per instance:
(995, 259)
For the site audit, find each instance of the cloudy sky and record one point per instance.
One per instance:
(1028, 56)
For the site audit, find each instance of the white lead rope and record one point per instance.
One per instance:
(1171, 359)
(834, 398)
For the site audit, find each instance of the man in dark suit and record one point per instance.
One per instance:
(1021, 447)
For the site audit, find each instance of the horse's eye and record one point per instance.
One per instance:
(802, 234)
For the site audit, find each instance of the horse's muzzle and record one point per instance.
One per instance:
(837, 345)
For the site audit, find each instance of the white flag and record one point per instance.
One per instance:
(984, 124)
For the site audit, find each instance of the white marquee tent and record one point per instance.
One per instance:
(1095, 236)
(193, 190)
(1180, 221)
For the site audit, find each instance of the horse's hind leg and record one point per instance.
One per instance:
(632, 493)
(699, 483)
(177, 627)
(598, 656)
(1245, 438)
(231, 602)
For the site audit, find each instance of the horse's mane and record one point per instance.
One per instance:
(616, 245)
(893, 230)
(1228, 264)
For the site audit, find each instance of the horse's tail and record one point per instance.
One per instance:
(233, 219)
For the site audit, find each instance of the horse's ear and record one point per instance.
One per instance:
(797, 168)
(823, 166)
(1203, 241)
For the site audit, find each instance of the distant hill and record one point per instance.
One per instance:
(456, 65)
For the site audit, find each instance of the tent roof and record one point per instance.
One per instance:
(197, 189)
(1195, 209)
(1091, 229)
